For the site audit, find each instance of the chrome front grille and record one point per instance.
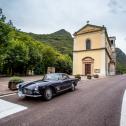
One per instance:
(27, 91)
(20, 88)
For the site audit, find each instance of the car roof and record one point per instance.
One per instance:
(56, 73)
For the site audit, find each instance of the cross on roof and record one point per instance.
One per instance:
(88, 22)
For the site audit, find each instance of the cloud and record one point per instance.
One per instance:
(117, 6)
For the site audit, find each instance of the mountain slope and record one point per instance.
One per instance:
(121, 56)
(121, 61)
(61, 40)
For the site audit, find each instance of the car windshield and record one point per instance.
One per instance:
(52, 77)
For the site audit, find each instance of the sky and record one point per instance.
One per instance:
(48, 16)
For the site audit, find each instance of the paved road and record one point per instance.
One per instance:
(94, 103)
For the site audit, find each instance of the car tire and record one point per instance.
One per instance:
(73, 87)
(48, 94)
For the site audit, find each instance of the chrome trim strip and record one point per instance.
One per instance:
(33, 95)
(64, 89)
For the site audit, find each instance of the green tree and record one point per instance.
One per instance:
(5, 31)
(64, 64)
(2, 17)
(49, 57)
(16, 57)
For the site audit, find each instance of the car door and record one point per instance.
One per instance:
(66, 82)
(59, 84)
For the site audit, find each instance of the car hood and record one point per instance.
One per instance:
(32, 85)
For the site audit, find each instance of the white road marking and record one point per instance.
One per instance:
(123, 111)
(8, 108)
(7, 95)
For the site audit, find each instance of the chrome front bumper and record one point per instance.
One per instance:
(21, 95)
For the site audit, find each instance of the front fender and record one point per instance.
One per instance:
(43, 88)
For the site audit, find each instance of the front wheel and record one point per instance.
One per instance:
(48, 94)
(72, 87)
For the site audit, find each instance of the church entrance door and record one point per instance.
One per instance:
(87, 69)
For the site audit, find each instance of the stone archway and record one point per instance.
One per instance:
(88, 64)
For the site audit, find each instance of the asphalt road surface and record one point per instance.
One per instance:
(94, 103)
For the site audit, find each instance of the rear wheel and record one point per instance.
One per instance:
(48, 94)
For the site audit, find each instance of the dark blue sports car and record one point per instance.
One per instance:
(50, 85)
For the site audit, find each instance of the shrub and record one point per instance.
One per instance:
(13, 82)
(78, 76)
(89, 76)
(96, 76)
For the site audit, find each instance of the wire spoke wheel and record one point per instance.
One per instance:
(48, 94)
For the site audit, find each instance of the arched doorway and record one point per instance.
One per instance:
(87, 63)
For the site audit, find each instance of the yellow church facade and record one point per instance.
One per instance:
(93, 51)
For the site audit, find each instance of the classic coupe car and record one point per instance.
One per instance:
(50, 85)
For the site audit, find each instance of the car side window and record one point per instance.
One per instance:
(64, 77)
(60, 77)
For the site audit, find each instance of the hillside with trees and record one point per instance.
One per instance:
(19, 53)
(60, 40)
(121, 61)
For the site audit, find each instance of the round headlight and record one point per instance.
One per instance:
(17, 86)
(36, 88)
